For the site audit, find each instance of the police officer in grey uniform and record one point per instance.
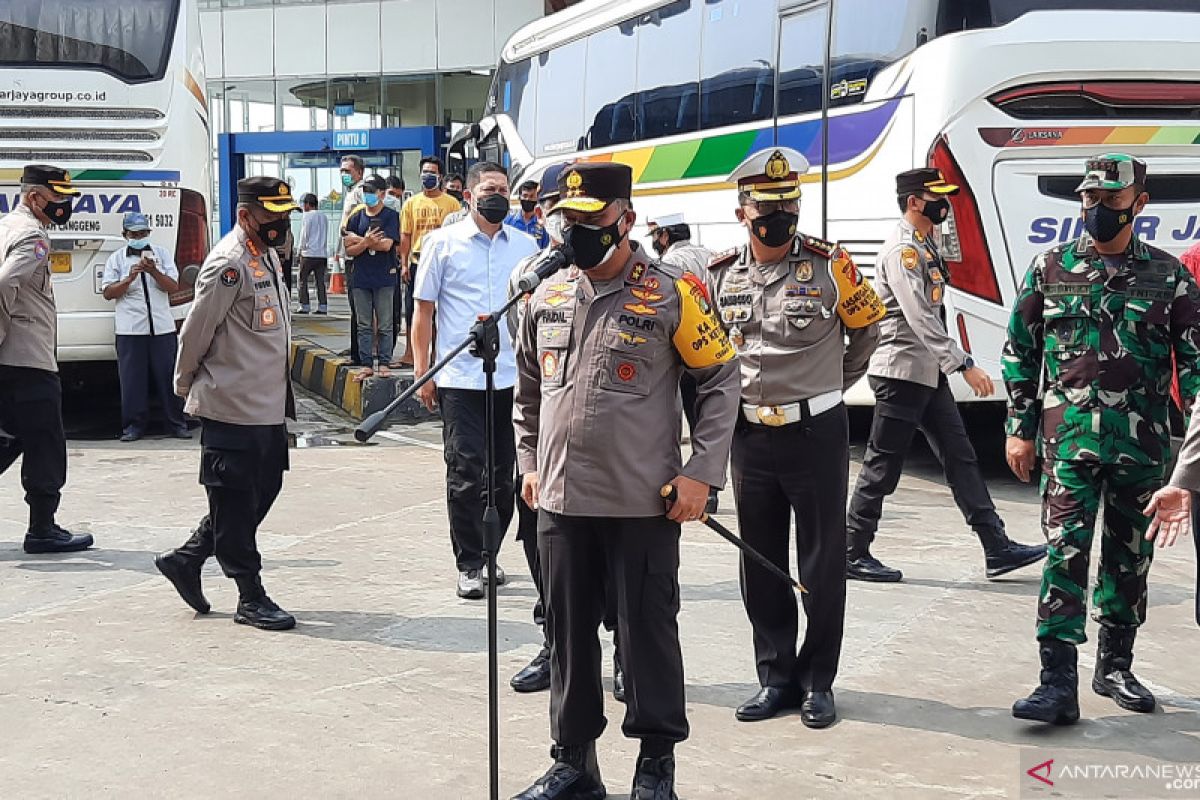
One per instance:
(233, 370)
(598, 365)
(908, 375)
(790, 302)
(30, 391)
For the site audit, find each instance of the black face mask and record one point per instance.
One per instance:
(1105, 224)
(455, 193)
(659, 245)
(775, 229)
(493, 208)
(274, 233)
(59, 213)
(936, 210)
(528, 206)
(593, 245)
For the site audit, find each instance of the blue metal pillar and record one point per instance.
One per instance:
(231, 168)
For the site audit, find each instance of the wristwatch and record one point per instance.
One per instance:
(968, 363)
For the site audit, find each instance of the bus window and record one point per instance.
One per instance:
(515, 94)
(861, 50)
(668, 75)
(609, 85)
(737, 54)
(560, 103)
(129, 40)
(802, 61)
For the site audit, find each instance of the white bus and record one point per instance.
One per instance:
(1007, 97)
(112, 91)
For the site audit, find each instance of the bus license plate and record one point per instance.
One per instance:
(60, 262)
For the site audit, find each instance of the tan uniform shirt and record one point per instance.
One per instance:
(692, 257)
(911, 280)
(28, 320)
(783, 319)
(235, 342)
(597, 408)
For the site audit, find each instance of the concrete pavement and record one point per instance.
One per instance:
(113, 688)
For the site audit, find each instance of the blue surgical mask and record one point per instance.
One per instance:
(392, 202)
(138, 244)
(429, 180)
(371, 199)
(346, 179)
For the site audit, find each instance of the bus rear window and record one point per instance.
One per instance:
(126, 38)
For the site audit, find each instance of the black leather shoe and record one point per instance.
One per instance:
(618, 679)
(535, 677)
(185, 579)
(56, 539)
(654, 779)
(181, 433)
(866, 567)
(1114, 670)
(575, 775)
(769, 701)
(263, 613)
(818, 710)
(130, 435)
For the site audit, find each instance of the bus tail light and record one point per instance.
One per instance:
(191, 244)
(965, 243)
(962, 333)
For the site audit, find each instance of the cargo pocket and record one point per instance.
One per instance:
(661, 589)
(552, 343)
(1068, 319)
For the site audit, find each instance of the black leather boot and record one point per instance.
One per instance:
(1002, 555)
(575, 775)
(1056, 699)
(54, 538)
(184, 575)
(255, 608)
(536, 676)
(654, 779)
(1114, 678)
(862, 566)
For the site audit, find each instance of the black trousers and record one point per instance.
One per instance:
(241, 468)
(465, 452)
(398, 309)
(316, 268)
(145, 364)
(355, 356)
(901, 408)
(410, 300)
(802, 471)
(31, 413)
(639, 559)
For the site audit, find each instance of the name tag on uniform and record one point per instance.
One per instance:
(1066, 289)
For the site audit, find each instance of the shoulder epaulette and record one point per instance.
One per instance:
(819, 245)
(723, 258)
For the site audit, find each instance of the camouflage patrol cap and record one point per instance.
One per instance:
(1113, 171)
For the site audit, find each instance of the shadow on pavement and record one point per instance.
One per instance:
(428, 634)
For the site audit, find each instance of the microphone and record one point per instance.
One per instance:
(559, 256)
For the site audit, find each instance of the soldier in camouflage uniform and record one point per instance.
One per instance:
(1097, 322)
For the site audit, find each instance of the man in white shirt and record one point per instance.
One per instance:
(140, 277)
(463, 273)
(314, 253)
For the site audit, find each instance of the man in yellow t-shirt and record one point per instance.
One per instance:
(422, 213)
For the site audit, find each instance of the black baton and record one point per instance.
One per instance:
(670, 494)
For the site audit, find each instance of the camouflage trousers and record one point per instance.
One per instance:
(1071, 495)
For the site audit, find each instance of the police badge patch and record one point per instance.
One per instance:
(804, 271)
(230, 276)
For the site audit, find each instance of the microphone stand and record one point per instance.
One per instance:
(484, 341)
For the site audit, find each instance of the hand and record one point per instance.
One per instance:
(692, 497)
(406, 272)
(1170, 512)
(530, 489)
(979, 382)
(1020, 455)
(427, 394)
